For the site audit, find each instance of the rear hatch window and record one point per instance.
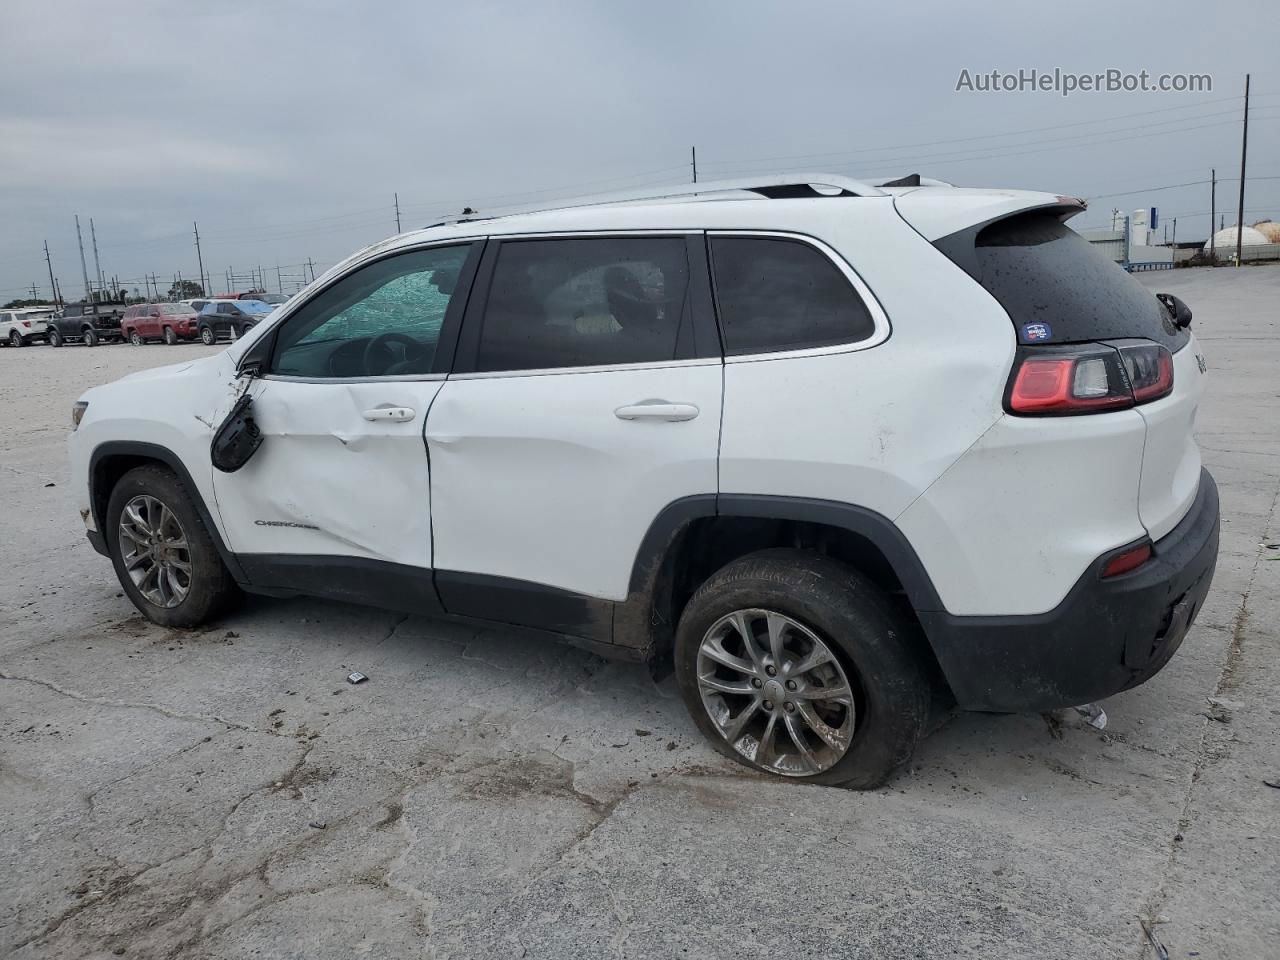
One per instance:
(1056, 287)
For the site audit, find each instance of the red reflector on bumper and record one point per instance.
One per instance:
(1129, 560)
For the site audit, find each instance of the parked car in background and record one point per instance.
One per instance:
(230, 318)
(273, 299)
(169, 322)
(89, 323)
(21, 327)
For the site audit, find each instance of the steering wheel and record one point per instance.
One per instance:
(400, 360)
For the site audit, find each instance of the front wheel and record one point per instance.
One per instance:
(170, 337)
(163, 553)
(798, 665)
(90, 337)
(207, 336)
(135, 338)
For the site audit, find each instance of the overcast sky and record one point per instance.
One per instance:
(285, 127)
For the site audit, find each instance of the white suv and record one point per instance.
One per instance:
(829, 448)
(18, 328)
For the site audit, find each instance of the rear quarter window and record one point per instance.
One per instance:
(778, 294)
(1056, 287)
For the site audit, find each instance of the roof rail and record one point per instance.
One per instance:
(775, 186)
(910, 180)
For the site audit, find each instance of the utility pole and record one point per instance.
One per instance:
(1175, 232)
(279, 281)
(97, 267)
(199, 258)
(693, 156)
(312, 267)
(57, 293)
(397, 196)
(53, 287)
(1213, 212)
(84, 269)
(1244, 151)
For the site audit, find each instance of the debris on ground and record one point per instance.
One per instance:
(1156, 945)
(1220, 709)
(1274, 784)
(317, 824)
(641, 733)
(356, 677)
(1093, 714)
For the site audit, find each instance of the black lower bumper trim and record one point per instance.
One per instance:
(1104, 637)
(97, 541)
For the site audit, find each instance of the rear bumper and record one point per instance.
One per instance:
(1104, 637)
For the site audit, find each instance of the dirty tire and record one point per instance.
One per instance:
(169, 336)
(212, 591)
(15, 339)
(207, 336)
(55, 338)
(855, 619)
(90, 338)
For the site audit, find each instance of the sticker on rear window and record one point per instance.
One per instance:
(1036, 331)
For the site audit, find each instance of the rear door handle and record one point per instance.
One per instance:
(394, 414)
(657, 410)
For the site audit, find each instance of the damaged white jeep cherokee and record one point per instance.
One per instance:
(835, 450)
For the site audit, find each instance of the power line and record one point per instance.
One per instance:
(991, 136)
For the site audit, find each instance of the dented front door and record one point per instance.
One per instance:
(342, 471)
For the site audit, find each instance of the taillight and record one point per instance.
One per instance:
(1127, 560)
(1088, 378)
(1149, 367)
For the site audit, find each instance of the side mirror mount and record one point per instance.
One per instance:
(1178, 311)
(258, 356)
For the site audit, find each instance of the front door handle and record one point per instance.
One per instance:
(394, 414)
(657, 410)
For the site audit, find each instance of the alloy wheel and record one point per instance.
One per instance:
(776, 692)
(155, 551)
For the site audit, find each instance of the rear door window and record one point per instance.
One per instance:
(779, 294)
(587, 301)
(1058, 289)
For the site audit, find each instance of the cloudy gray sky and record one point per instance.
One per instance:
(285, 127)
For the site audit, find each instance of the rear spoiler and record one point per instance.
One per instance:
(960, 247)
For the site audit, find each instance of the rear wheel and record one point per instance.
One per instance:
(163, 553)
(90, 336)
(15, 339)
(798, 665)
(169, 336)
(135, 337)
(55, 338)
(207, 336)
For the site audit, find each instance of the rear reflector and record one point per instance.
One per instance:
(1129, 560)
(1088, 377)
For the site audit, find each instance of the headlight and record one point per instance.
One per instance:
(77, 413)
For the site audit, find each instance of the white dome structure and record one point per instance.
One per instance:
(1225, 240)
(1269, 229)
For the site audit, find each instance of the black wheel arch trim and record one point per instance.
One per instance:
(165, 456)
(875, 527)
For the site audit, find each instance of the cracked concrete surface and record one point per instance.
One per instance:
(223, 793)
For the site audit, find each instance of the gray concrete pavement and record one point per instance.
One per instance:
(224, 793)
